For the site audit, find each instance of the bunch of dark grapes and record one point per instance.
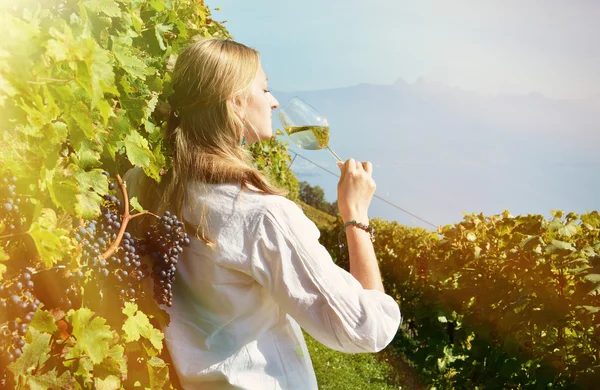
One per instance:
(17, 307)
(124, 269)
(130, 270)
(164, 242)
(97, 236)
(10, 204)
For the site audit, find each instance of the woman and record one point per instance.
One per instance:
(255, 274)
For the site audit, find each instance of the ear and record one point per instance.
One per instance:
(239, 106)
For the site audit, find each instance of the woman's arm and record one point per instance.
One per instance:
(355, 191)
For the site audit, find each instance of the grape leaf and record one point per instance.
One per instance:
(137, 150)
(46, 242)
(92, 180)
(568, 230)
(157, 5)
(82, 118)
(138, 325)
(43, 321)
(111, 382)
(158, 372)
(131, 64)
(63, 189)
(50, 380)
(115, 364)
(593, 277)
(136, 205)
(3, 257)
(159, 30)
(86, 157)
(35, 354)
(92, 334)
(108, 7)
(88, 205)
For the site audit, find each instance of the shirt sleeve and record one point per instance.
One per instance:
(325, 300)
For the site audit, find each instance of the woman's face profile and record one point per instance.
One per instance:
(258, 112)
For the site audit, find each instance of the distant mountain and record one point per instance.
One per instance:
(439, 151)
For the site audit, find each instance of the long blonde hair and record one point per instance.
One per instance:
(204, 131)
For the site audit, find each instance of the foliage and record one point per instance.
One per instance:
(83, 88)
(272, 158)
(315, 197)
(495, 302)
(322, 219)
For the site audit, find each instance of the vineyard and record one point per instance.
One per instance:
(495, 302)
(491, 302)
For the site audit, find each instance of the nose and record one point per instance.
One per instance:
(274, 103)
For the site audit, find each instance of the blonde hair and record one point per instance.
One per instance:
(204, 131)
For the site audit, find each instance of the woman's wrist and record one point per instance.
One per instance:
(358, 217)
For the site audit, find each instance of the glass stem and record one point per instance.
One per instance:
(332, 152)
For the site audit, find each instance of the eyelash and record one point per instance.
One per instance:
(267, 90)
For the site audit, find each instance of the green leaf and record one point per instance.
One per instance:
(86, 157)
(107, 7)
(133, 202)
(158, 5)
(568, 230)
(88, 205)
(105, 111)
(50, 380)
(560, 246)
(593, 278)
(48, 245)
(137, 150)
(81, 116)
(111, 382)
(138, 325)
(591, 309)
(35, 353)
(129, 62)
(92, 334)
(103, 76)
(92, 180)
(3, 257)
(158, 373)
(159, 30)
(115, 364)
(63, 190)
(43, 321)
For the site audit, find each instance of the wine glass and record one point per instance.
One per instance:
(305, 125)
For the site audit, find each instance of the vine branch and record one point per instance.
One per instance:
(124, 221)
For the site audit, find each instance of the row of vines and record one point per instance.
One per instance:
(495, 302)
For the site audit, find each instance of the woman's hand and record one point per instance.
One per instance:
(355, 190)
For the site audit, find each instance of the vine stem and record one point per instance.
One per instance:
(125, 220)
(12, 235)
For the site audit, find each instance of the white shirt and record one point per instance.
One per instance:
(238, 308)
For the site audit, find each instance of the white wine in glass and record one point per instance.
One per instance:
(307, 128)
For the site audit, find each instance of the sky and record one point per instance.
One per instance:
(550, 47)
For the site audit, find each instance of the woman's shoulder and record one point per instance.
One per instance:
(272, 204)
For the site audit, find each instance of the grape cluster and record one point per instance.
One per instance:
(98, 234)
(10, 203)
(124, 269)
(131, 270)
(17, 307)
(164, 242)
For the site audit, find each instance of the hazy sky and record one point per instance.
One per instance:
(510, 46)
